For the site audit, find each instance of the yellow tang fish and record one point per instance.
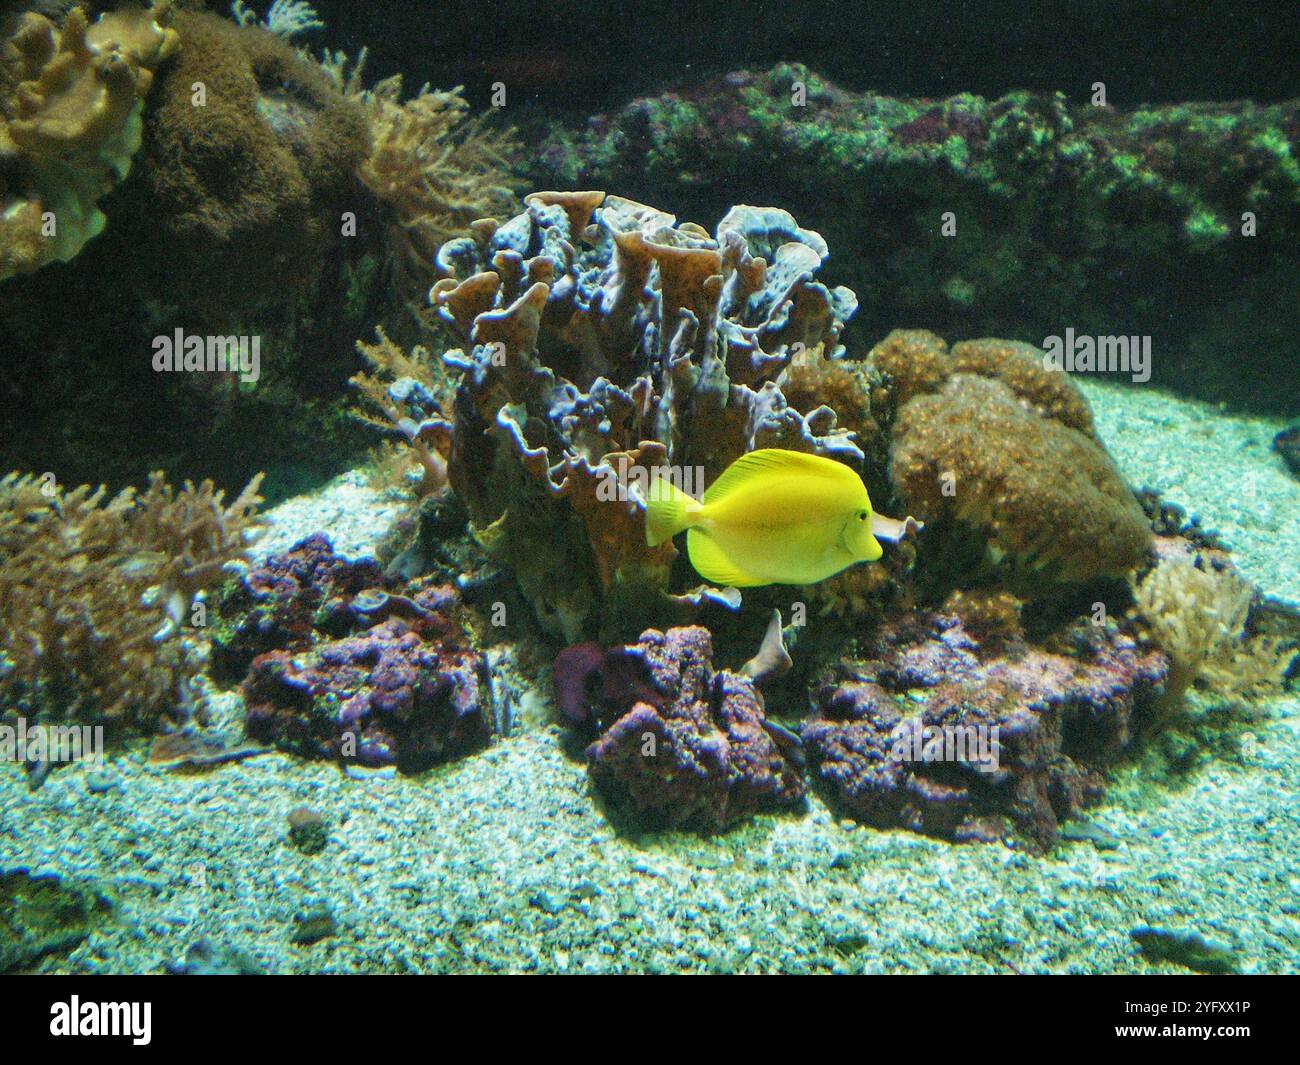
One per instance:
(773, 517)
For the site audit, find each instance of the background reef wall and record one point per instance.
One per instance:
(226, 225)
(1021, 217)
(585, 57)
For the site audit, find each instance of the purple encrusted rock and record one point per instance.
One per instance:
(700, 753)
(282, 602)
(939, 734)
(382, 697)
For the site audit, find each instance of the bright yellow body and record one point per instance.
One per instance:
(773, 517)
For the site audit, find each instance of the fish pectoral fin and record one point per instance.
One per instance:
(713, 565)
(873, 551)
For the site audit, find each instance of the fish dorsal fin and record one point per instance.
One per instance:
(772, 460)
(713, 565)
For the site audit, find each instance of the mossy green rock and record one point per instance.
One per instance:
(1014, 217)
(42, 915)
(1187, 949)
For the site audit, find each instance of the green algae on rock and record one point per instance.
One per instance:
(1177, 221)
(43, 914)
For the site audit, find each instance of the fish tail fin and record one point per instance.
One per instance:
(668, 511)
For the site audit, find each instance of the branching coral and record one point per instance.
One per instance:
(406, 391)
(284, 18)
(70, 105)
(95, 590)
(1196, 613)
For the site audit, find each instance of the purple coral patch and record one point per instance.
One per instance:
(702, 756)
(349, 664)
(1059, 718)
(384, 697)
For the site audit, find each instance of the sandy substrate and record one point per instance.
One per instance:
(1220, 467)
(503, 862)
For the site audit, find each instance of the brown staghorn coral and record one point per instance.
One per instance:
(94, 590)
(609, 341)
(70, 105)
(986, 437)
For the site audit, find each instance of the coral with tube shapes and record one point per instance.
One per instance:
(94, 593)
(987, 437)
(609, 339)
(70, 104)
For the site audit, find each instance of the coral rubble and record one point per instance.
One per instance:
(386, 696)
(42, 914)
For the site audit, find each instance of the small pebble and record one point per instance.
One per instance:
(98, 783)
(545, 902)
(313, 926)
(362, 772)
(307, 830)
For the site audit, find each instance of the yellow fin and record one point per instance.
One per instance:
(713, 565)
(772, 460)
(668, 511)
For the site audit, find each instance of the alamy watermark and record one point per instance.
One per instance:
(211, 354)
(625, 481)
(975, 745)
(52, 743)
(1097, 354)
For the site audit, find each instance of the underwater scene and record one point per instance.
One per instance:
(607, 489)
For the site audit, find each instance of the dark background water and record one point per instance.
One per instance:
(583, 56)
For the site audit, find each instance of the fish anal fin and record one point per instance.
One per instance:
(712, 564)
